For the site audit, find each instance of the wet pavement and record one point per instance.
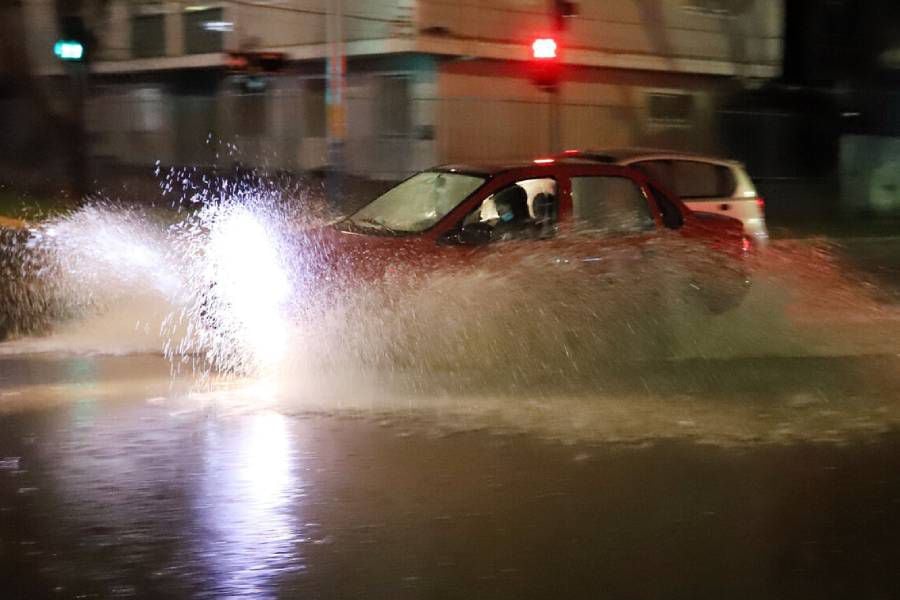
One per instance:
(122, 486)
(764, 467)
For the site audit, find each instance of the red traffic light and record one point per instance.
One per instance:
(543, 49)
(544, 66)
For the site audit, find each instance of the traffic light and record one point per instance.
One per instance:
(251, 68)
(543, 49)
(76, 40)
(68, 50)
(255, 62)
(544, 65)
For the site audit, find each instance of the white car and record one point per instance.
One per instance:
(704, 183)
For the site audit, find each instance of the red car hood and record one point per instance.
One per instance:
(358, 255)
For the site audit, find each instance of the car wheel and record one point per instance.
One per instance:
(721, 293)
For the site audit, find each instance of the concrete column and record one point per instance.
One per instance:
(425, 98)
(174, 29)
(117, 35)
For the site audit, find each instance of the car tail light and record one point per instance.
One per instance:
(746, 244)
(761, 203)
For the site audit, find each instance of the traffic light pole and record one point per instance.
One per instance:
(78, 151)
(75, 49)
(547, 68)
(554, 119)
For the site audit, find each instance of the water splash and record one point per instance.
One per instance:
(238, 285)
(229, 284)
(207, 287)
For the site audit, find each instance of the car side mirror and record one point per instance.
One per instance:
(476, 234)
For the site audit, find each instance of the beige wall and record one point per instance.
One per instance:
(490, 110)
(665, 35)
(283, 24)
(468, 107)
(749, 32)
(465, 111)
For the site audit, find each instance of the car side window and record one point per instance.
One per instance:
(695, 179)
(526, 209)
(609, 205)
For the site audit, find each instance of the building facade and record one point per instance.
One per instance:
(428, 81)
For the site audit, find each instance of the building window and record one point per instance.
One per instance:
(148, 112)
(670, 108)
(202, 31)
(314, 113)
(148, 31)
(394, 107)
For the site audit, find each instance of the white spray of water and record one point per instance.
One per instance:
(98, 279)
(238, 284)
(210, 289)
(227, 289)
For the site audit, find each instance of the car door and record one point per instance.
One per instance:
(609, 228)
(479, 235)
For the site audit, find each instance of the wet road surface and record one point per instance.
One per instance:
(113, 485)
(768, 467)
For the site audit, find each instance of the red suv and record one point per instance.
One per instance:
(456, 214)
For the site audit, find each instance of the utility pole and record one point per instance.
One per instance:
(554, 120)
(335, 102)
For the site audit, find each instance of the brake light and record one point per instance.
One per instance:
(761, 203)
(746, 244)
(543, 161)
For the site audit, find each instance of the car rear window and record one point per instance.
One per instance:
(702, 180)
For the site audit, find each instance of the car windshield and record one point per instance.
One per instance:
(416, 204)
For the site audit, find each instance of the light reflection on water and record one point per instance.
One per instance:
(248, 504)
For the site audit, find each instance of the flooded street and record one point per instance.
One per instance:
(185, 422)
(115, 483)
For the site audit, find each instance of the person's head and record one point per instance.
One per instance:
(512, 204)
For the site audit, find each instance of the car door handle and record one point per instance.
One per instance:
(725, 206)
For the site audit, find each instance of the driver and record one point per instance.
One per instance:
(513, 219)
